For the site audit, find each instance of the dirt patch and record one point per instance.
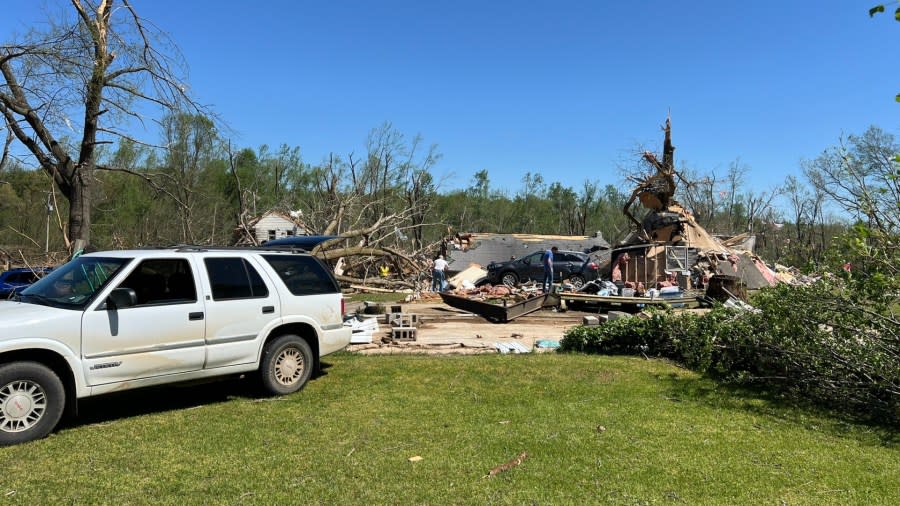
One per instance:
(443, 329)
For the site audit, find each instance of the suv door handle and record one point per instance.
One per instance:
(268, 309)
(195, 316)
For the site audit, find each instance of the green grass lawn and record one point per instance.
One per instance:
(597, 430)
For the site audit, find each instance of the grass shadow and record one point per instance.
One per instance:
(766, 402)
(164, 398)
(157, 399)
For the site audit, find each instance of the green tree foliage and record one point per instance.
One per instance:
(879, 9)
(23, 211)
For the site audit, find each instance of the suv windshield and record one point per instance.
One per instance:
(75, 284)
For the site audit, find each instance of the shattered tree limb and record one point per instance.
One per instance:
(656, 190)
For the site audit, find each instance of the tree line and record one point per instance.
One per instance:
(201, 190)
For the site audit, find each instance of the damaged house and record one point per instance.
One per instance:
(667, 247)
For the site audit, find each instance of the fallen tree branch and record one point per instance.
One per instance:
(373, 289)
(393, 283)
(509, 465)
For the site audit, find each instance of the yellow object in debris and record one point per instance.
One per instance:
(385, 271)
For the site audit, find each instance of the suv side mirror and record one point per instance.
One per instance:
(121, 298)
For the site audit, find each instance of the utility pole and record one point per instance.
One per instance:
(49, 212)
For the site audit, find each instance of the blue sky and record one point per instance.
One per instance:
(569, 90)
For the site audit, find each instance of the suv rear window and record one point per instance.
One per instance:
(303, 275)
(568, 257)
(233, 278)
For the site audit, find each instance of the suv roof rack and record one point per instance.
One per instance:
(184, 248)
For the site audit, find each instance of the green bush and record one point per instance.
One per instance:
(821, 343)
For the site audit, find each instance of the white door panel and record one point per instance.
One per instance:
(236, 313)
(139, 342)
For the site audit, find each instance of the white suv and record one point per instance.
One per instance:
(117, 320)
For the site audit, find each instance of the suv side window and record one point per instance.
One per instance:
(162, 281)
(303, 275)
(534, 258)
(234, 278)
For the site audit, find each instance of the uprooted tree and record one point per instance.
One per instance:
(378, 206)
(80, 84)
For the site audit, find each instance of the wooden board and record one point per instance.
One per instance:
(495, 312)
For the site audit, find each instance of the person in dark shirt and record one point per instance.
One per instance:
(547, 260)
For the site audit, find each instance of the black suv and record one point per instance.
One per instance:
(577, 267)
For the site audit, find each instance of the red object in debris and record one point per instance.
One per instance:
(847, 267)
(593, 266)
(734, 259)
(500, 290)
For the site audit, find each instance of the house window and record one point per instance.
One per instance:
(271, 235)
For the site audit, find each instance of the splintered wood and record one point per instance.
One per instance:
(509, 465)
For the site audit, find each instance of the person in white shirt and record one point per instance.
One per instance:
(437, 274)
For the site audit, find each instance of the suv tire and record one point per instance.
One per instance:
(287, 364)
(32, 399)
(509, 279)
(577, 281)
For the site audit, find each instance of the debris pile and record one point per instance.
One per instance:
(669, 248)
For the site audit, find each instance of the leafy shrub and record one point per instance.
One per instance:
(819, 342)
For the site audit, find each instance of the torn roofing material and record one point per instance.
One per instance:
(482, 249)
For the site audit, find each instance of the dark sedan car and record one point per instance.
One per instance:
(574, 266)
(16, 280)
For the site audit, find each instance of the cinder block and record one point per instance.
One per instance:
(403, 320)
(590, 320)
(403, 333)
(617, 315)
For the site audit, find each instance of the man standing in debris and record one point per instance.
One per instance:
(547, 260)
(437, 274)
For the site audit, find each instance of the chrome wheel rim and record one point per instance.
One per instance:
(289, 366)
(22, 405)
(509, 279)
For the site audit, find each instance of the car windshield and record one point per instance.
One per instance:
(73, 285)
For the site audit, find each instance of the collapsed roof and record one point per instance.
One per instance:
(479, 249)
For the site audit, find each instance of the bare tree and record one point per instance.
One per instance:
(588, 202)
(758, 204)
(737, 172)
(860, 176)
(698, 192)
(4, 157)
(191, 140)
(93, 74)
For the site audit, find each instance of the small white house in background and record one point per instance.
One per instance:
(275, 225)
